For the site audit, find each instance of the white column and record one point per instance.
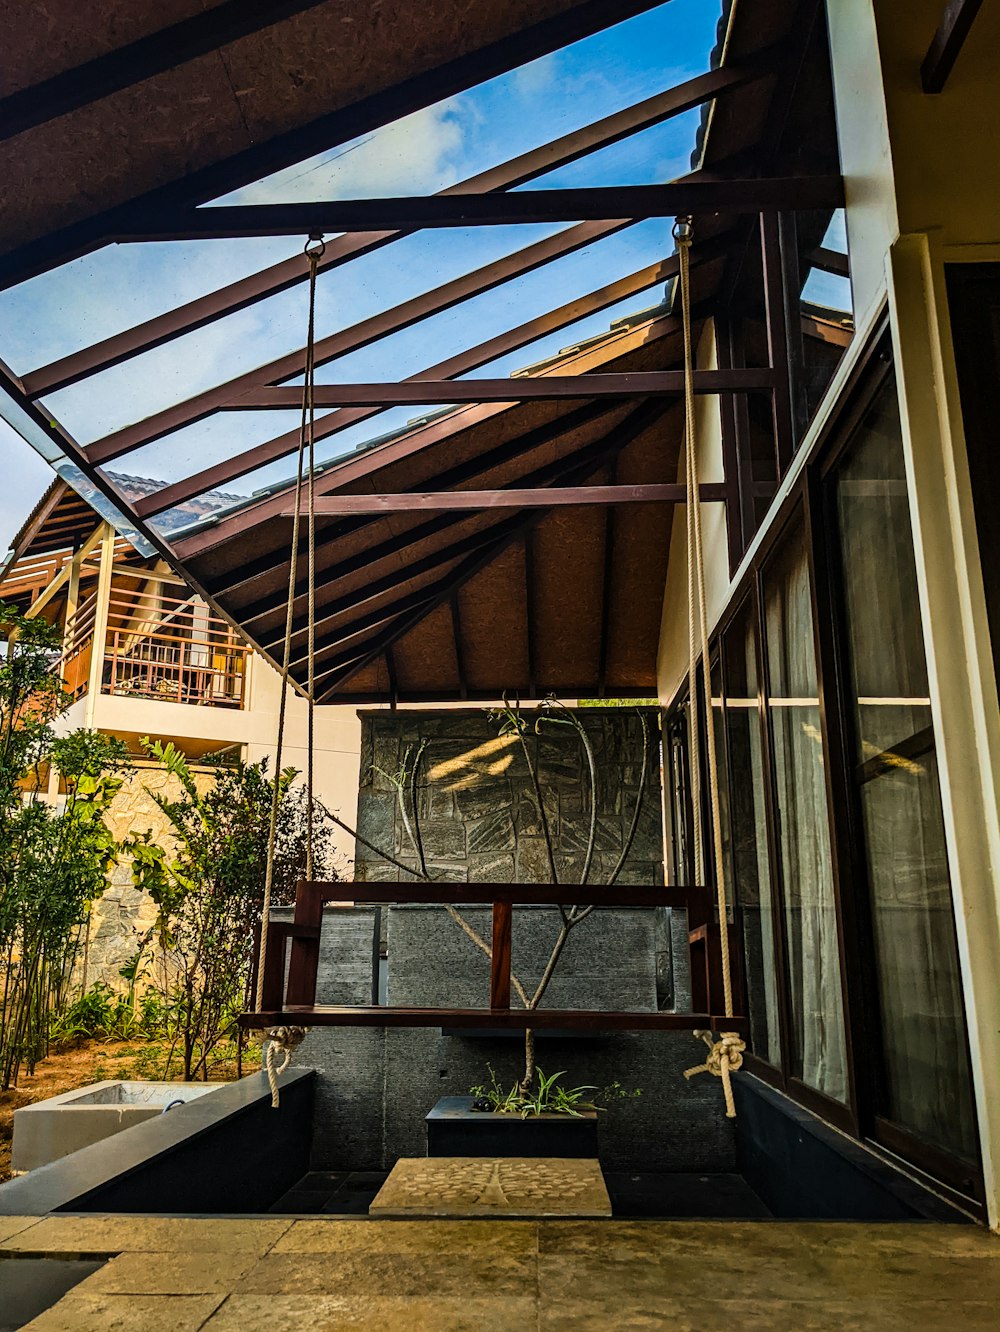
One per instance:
(963, 685)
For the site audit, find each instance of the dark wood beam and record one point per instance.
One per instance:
(586, 203)
(623, 435)
(464, 362)
(321, 134)
(829, 261)
(513, 1019)
(340, 250)
(509, 451)
(541, 498)
(607, 581)
(128, 65)
(529, 609)
(544, 388)
(352, 339)
(568, 467)
(456, 629)
(426, 435)
(944, 50)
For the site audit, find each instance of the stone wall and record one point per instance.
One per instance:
(480, 822)
(478, 815)
(120, 917)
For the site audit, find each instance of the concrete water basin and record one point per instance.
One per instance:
(52, 1129)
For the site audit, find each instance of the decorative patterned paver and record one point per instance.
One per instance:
(504, 1186)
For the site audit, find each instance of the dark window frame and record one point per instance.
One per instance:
(808, 501)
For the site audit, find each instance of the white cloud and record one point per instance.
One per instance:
(418, 154)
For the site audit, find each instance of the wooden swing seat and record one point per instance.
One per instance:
(290, 972)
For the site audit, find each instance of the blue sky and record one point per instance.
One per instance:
(113, 289)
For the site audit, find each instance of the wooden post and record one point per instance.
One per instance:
(503, 913)
(101, 610)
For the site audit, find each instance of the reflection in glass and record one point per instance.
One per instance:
(926, 1071)
(818, 1054)
(747, 865)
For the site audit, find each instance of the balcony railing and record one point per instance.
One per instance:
(169, 649)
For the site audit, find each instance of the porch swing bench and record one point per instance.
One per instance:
(288, 992)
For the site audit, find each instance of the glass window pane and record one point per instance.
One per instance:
(747, 864)
(926, 1085)
(818, 1054)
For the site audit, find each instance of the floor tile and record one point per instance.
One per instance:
(171, 1273)
(379, 1313)
(471, 1238)
(489, 1273)
(127, 1313)
(15, 1225)
(81, 1236)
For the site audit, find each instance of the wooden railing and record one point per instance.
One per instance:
(290, 973)
(171, 649)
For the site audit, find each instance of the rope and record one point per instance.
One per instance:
(726, 1054)
(283, 1040)
(305, 474)
(724, 1057)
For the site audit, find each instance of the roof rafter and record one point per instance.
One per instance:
(362, 464)
(499, 209)
(492, 349)
(500, 455)
(128, 65)
(323, 132)
(551, 473)
(521, 388)
(351, 339)
(279, 277)
(628, 430)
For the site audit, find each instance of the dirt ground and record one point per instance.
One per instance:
(94, 1061)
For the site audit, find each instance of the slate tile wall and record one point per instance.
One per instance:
(480, 822)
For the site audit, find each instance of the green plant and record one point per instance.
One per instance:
(54, 861)
(208, 890)
(549, 1097)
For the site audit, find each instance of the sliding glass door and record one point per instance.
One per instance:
(817, 1054)
(922, 1083)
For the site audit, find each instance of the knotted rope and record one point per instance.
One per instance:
(284, 1041)
(726, 1054)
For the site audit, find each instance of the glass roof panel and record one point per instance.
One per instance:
(513, 113)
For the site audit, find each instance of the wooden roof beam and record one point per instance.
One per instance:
(544, 497)
(544, 388)
(944, 50)
(585, 203)
(340, 250)
(125, 66)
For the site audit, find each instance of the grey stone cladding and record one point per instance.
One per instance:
(480, 822)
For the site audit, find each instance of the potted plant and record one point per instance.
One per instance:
(549, 1119)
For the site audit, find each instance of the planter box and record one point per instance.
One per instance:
(52, 1129)
(455, 1129)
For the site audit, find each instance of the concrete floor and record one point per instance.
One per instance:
(174, 1274)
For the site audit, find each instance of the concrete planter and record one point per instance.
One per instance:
(63, 1124)
(455, 1129)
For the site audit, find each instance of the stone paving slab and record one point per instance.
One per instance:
(368, 1313)
(321, 1275)
(469, 1186)
(470, 1238)
(14, 1225)
(127, 1313)
(179, 1273)
(83, 1236)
